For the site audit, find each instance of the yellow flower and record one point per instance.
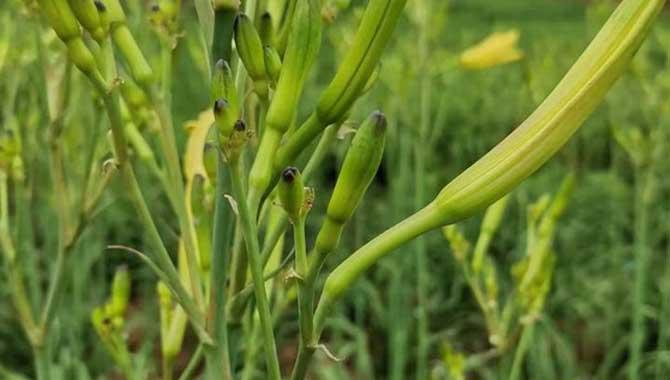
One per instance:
(497, 49)
(197, 137)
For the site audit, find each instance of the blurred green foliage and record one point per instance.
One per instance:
(584, 328)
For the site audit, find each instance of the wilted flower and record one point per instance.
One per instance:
(497, 49)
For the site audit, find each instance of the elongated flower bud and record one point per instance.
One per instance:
(353, 74)
(291, 191)
(87, 14)
(303, 47)
(522, 152)
(61, 18)
(250, 47)
(272, 63)
(373, 34)
(358, 170)
(556, 119)
(224, 93)
(118, 301)
(266, 29)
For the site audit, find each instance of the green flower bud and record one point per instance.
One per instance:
(352, 76)
(118, 301)
(272, 63)
(233, 145)
(100, 321)
(114, 12)
(61, 18)
(358, 170)
(249, 47)
(303, 48)
(266, 29)
(225, 118)
(556, 119)
(87, 13)
(104, 16)
(291, 192)
(224, 93)
(223, 83)
(376, 27)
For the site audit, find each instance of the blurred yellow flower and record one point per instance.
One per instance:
(195, 146)
(497, 49)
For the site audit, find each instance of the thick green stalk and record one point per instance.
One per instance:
(218, 358)
(340, 279)
(249, 229)
(221, 236)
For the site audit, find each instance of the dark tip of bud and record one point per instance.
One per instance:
(155, 8)
(240, 126)
(266, 16)
(219, 105)
(100, 6)
(236, 22)
(289, 174)
(380, 120)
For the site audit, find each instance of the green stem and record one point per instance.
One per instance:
(305, 303)
(18, 292)
(521, 350)
(171, 153)
(41, 363)
(641, 269)
(420, 147)
(249, 229)
(192, 364)
(344, 276)
(161, 255)
(222, 229)
(319, 154)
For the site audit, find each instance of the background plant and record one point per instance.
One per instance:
(583, 326)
